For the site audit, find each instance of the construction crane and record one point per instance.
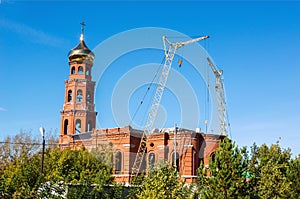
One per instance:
(220, 98)
(170, 50)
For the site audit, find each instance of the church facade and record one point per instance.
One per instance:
(185, 149)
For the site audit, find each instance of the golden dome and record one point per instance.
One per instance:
(81, 52)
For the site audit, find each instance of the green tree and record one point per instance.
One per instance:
(269, 167)
(293, 175)
(75, 166)
(164, 183)
(21, 178)
(76, 169)
(225, 176)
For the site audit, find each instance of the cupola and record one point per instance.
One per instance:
(81, 52)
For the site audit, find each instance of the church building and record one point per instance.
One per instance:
(118, 146)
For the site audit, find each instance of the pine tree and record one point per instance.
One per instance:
(225, 176)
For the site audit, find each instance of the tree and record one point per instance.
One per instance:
(225, 176)
(23, 143)
(293, 176)
(79, 170)
(21, 178)
(76, 169)
(269, 166)
(164, 183)
(14, 147)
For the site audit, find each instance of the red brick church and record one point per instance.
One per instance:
(184, 148)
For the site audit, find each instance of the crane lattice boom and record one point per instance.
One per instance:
(170, 50)
(220, 98)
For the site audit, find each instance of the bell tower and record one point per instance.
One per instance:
(78, 114)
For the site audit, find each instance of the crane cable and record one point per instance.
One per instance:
(227, 115)
(148, 89)
(207, 115)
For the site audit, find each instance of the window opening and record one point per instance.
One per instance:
(89, 126)
(66, 126)
(73, 70)
(80, 70)
(151, 160)
(79, 96)
(78, 126)
(118, 162)
(69, 96)
(87, 72)
(88, 97)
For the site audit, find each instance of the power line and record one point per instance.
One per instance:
(24, 143)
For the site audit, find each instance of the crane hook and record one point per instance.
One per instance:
(179, 62)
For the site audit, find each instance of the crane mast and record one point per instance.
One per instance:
(170, 50)
(220, 98)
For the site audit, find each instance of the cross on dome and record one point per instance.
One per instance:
(82, 30)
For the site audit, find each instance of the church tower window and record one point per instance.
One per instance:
(78, 126)
(69, 95)
(79, 96)
(89, 126)
(87, 72)
(80, 70)
(73, 70)
(88, 97)
(66, 126)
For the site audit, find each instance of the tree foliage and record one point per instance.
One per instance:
(293, 176)
(233, 172)
(270, 164)
(21, 178)
(78, 169)
(264, 172)
(225, 175)
(163, 182)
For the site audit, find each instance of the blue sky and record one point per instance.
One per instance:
(255, 43)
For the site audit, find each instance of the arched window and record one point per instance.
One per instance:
(78, 126)
(66, 126)
(73, 70)
(80, 70)
(175, 160)
(118, 162)
(88, 97)
(69, 95)
(151, 160)
(89, 126)
(87, 72)
(79, 96)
